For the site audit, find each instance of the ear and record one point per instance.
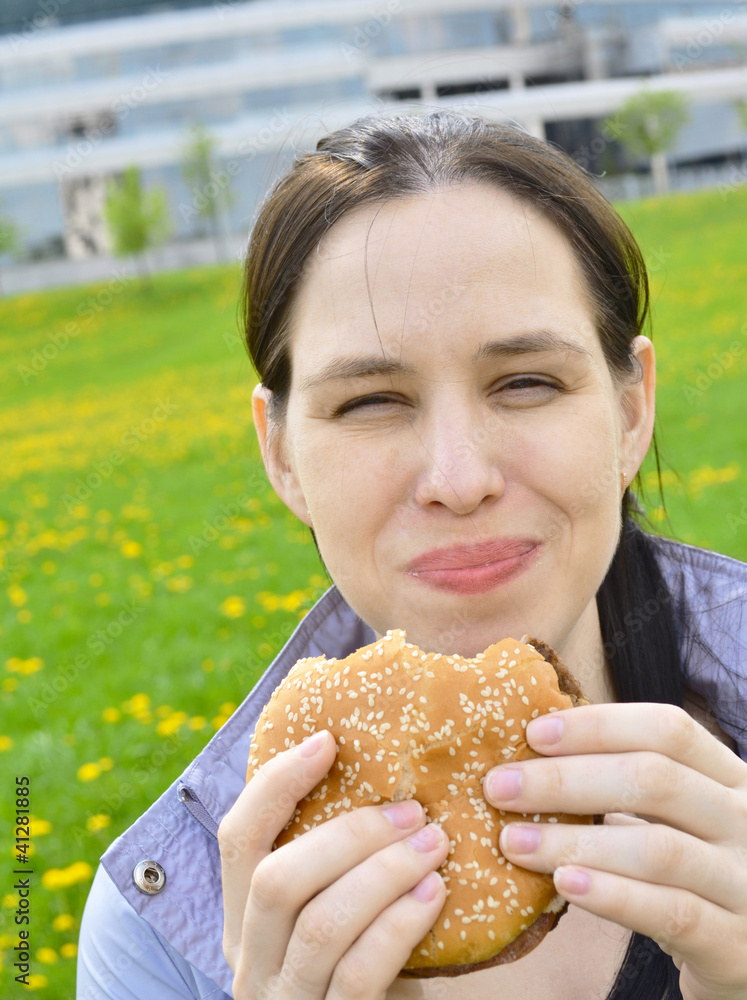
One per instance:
(272, 444)
(638, 402)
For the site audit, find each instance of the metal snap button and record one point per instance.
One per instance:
(149, 877)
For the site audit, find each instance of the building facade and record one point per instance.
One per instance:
(80, 100)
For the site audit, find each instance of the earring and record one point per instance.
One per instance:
(624, 481)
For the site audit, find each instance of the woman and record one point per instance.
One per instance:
(446, 317)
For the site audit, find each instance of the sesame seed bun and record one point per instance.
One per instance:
(410, 724)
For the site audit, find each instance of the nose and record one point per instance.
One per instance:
(460, 452)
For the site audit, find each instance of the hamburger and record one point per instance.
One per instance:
(411, 724)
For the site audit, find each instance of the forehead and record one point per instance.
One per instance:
(387, 275)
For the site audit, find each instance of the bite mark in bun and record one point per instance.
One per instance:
(410, 724)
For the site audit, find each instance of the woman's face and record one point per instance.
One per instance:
(449, 390)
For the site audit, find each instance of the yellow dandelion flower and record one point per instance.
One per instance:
(63, 878)
(69, 949)
(24, 616)
(259, 621)
(38, 827)
(10, 684)
(106, 763)
(5, 741)
(197, 722)
(171, 724)
(130, 549)
(80, 510)
(102, 599)
(96, 579)
(17, 595)
(137, 704)
(207, 665)
(10, 900)
(87, 772)
(37, 981)
(63, 922)
(111, 715)
(49, 567)
(47, 956)
(30, 666)
(233, 607)
(270, 602)
(218, 721)
(228, 707)
(179, 584)
(103, 516)
(185, 561)
(163, 711)
(99, 821)
(293, 601)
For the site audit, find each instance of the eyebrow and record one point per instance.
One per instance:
(365, 366)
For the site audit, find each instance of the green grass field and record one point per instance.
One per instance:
(152, 574)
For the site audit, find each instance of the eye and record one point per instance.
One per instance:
(528, 385)
(366, 401)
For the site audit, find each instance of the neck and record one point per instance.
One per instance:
(583, 653)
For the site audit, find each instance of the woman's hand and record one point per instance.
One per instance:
(678, 872)
(336, 912)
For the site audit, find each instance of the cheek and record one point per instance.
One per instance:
(574, 469)
(349, 480)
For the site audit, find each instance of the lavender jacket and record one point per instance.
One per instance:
(168, 945)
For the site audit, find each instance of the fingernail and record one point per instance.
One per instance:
(521, 838)
(545, 731)
(404, 814)
(503, 785)
(428, 888)
(571, 881)
(426, 839)
(312, 745)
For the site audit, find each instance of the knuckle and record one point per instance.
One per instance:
(677, 731)
(353, 975)
(552, 776)
(664, 852)
(310, 920)
(360, 824)
(232, 840)
(682, 923)
(653, 777)
(270, 882)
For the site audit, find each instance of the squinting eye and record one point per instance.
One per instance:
(355, 404)
(527, 382)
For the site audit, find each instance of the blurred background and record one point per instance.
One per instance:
(149, 573)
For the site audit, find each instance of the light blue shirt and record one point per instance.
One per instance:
(169, 945)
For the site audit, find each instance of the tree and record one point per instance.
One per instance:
(208, 184)
(742, 112)
(136, 218)
(8, 236)
(652, 121)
